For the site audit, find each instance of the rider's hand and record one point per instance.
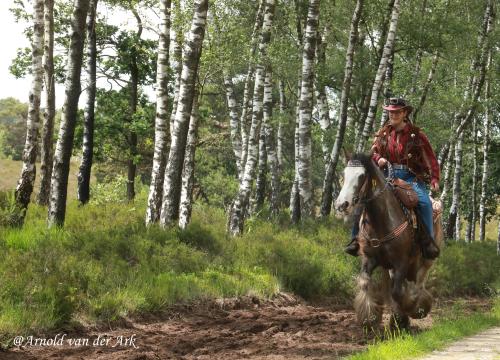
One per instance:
(435, 185)
(382, 162)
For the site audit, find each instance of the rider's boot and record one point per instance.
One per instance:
(353, 247)
(430, 250)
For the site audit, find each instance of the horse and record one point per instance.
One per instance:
(387, 239)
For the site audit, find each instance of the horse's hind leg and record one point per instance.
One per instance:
(367, 305)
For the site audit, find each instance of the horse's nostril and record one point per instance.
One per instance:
(345, 205)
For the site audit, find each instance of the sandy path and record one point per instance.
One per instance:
(282, 328)
(482, 346)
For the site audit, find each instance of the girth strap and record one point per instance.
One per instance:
(374, 242)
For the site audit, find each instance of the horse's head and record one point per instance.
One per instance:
(355, 175)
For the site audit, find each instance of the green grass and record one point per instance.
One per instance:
(105, 264)
(451, 327)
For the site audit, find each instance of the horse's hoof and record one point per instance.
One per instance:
(399, 322)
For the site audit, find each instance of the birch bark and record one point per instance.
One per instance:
(377, 83)
(64, 146)
(162, 117)
(246, 110)
(305, 111)
(238, 208)
(186, 202)
(327, 197)
(83, 193)
(270, 142)
(453, 223)
(234, 124)
(190, 62)
(486, 146)
(46, 153)
(26, 181)
(281, 133)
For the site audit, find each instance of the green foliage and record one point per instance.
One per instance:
(467, 269)
(10, 213)
(13, 114)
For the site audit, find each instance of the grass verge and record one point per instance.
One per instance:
(448, 328)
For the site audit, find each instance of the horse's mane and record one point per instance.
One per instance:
(369, 165)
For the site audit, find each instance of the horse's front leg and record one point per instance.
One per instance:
(399, 318)
(367, 304)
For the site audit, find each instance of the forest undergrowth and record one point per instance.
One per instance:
(105, 264)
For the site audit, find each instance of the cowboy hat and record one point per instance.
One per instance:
(394, 103)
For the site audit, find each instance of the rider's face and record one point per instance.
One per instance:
(397, 116)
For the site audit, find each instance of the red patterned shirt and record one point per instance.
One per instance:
(395, 152)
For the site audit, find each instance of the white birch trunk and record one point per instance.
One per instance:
(64, 146)
(26, 181)
(238, 208)
(281, 133)
(234, 124)
(387, 85)
(246, 110)
(46, 151)
(186, 202)
(453, 221)
(84, 172)
(175, 58)
(294, 193)
(327, 196)
(379, 77)
(486, 146)
(190, 62)
(272, 156)
(162, 117)
(320, 93)
(305, 112)
(427, 85)
(260, 182)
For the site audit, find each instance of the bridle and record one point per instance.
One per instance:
(364, 199)
(374, 242)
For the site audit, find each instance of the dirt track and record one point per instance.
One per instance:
(282, 328)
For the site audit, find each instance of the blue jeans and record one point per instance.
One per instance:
(424, 207)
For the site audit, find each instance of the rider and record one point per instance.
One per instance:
(414, 161)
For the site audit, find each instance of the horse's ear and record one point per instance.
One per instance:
(347, 154)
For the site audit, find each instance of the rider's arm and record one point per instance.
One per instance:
(431, 157)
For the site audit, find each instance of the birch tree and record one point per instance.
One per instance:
(190, 61)
(270, 143)
(238, 208)
(294, 193)
(379, 77)
(46, 152)
(162, 117)
(246, 108)
(486, 146)
(186, 202)
(326, 199)
(88, 124)
(26, 181)
(64, 146)
(234, 124)
(304, 169)
(279, 146)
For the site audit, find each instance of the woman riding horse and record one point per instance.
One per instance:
(414, 161)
